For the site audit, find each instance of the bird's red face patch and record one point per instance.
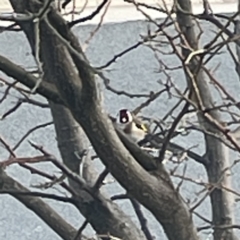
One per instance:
(124, 116)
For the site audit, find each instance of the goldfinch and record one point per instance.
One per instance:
(131, 126)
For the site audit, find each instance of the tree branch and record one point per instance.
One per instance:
(38, 194)
(45, 89)
(142, 219)
(40, 208)
(91, 16)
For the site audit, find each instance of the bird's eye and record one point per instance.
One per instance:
(124, 120)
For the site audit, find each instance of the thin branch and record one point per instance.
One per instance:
(45, 89)
(216, 22)
(34, 102)
(100, 179)
(7, 91)
(11, 27)
(136, 45)
(159, 9)
(231, 226)
(29, 132)
(106, 82)
(91, 16)
(22, 160)
(152, 97)
(182, 180)
(169, 113)
(201, 217)
(37, 53)
(120, 197)
(53, 179)
(171, 131)
(207, 7)
(36, 24)
(142, 219)
(11, 110)
(80, 230)
(34, 170)
(38, 194)
(98, 26)
(8, 148)
(75, 177)
(39, 207)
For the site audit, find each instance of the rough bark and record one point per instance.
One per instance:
(216, 152)
(72, 142)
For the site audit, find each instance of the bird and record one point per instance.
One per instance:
(133, 127)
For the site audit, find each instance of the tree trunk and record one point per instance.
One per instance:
(217, 153)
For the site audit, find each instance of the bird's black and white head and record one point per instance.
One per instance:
(124, 117)
(130, 125)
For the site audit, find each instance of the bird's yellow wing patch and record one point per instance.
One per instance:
(142, 127)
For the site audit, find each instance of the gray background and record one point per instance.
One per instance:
(136, 72)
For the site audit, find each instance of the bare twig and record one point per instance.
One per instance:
(142, 219)
(22, 160)
(34, 102)
(152, 97)
(7, 91)
(38, 194)
(100, 179)
(169, 135)
(29, 132)
(97, 27)
(75, 177)
(119, 197)
(11, 110)
(91, 16)
(80, 230)
(34, 170)
(12, 27)
(65, 3)
(8, 148)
